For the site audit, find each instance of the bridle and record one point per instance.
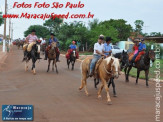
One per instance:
(109, 72)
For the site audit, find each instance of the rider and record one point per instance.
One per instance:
(30, 41)
(107, 46)
(71, 48)
(141, 47)
(52, 39)
(98, 52)
(43, 41)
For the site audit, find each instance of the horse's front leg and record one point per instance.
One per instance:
(146, 76)
(138, 72)
(33, 66)
(56, 66)
(26, 66)
(72, 65)
(128, 71)
(48, 65)
(53, 66)
(68, 63)
(113, 85)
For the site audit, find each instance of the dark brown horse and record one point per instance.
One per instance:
(52, 56)
(142, 64)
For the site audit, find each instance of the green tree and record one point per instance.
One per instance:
(124, 29)
(156, 34)
(41, 31)
(53, 24)
(106, 31)
(1, 19)
(138, 26)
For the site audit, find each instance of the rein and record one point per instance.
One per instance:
(110, 73)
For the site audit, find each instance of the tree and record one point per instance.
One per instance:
(41, 31)
(156, 34)
(138, 26)
(53, 24)
(106, 31)
(1, 19)
(124, 29)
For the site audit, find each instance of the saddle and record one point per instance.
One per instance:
(139, 56)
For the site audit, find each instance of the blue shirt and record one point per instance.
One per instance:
(73, 47)
(107, 48)
(141, 46)
(52, 40)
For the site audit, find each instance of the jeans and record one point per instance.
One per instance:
(96, 57)
(133, 59)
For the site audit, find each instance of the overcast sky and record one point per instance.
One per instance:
(150, 11)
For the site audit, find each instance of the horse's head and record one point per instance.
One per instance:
(115, 67)
(74, 53)
(53, 45)
(151, 55)
(124, 60)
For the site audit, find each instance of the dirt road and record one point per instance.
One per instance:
(56, 97)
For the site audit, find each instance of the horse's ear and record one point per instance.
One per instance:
(123, 51)
(119, 60)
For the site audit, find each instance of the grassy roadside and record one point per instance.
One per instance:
(133, 71)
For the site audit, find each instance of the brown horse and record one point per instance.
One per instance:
(142, 64)
(107, 69)
(52, 56)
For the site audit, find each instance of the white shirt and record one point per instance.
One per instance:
(32, 38)
(43, 41)
(99, 47)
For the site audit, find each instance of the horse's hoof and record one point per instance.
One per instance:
(99, 97)
(127, 81)
(147, 86)
(109, 102)
(34, 73)
(47, 71)
(87, 94)
(136, 83)
(114, 95)
(80, 88)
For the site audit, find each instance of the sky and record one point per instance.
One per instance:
(150, 11)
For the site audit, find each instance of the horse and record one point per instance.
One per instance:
(52, 56)
(142, 64)
(72, 59)
(107, 69)
(33, 54)
(124, 62)
(43, 48)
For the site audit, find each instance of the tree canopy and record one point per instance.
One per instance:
(1, 19)
(41, 31)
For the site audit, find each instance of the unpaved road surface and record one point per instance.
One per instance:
(56, 97)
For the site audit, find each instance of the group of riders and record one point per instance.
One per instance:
(104, 49)
(101, 48)
(32, 39)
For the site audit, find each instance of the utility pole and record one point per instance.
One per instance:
(4, 36)
(9, 31)
(12, 32)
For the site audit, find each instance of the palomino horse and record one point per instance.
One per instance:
(107, 69)
(72, 59)
(34, 56)
(124, 62)
(142, 64)
(52, 56)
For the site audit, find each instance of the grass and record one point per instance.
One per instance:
(152, 74)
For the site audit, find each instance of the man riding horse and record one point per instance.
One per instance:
(98, 53)
(72, 47)
(52, 39)
(30, 41)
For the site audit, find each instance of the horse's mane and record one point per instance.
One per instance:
(108, 59)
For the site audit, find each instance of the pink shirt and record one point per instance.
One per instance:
(31, 38)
